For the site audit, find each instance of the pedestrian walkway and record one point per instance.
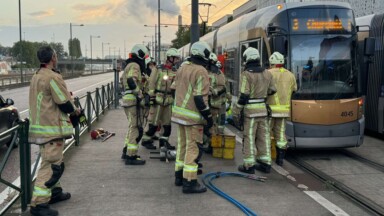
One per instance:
(101, 184)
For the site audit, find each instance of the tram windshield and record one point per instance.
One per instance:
(322, 66)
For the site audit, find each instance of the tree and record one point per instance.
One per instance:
(5, 51)
(183, 36)
(74, 51)
(59, 48)
(28, 55)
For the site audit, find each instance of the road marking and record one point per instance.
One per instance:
(73, 92)
(334, 209)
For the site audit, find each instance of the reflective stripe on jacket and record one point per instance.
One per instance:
(280, 102)
(132, 70)
(47, 121)
(160, 85)
(256, 85)
(217, 82)
(191, 80)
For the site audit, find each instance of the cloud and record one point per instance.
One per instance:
(43, 14)
(141, 9)
(103, 12)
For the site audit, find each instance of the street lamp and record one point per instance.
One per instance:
(102, 52)
(157, 48)
(71, 44)
(152, 49)
(91, 36)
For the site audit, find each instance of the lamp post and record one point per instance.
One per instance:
(91, 36)
(153, 51)
(157, 48)
(102, 52)
(21, 45)
(71, 44)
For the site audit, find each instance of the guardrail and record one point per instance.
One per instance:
(94, 103)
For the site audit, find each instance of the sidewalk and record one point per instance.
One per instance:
(101, 184)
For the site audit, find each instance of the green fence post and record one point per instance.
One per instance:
(77, 128)
(103, 98)
(89, 110)
(97, 98)
(108, 95)
(25, 165)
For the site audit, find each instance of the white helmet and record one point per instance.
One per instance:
(276, 58)
(172, 52)
(251, 54)
(140, 51)
(202, 49)
(218, 64)
(213, 57)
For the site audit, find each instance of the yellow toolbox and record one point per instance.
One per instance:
(223, 146)
(228, 153)
(217, 152)
(217, 141)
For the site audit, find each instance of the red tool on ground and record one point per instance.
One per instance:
(101, 134)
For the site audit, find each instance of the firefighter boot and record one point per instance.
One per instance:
(163, 142)
(280, 156)
(148, 144)
(179, 178)
(124, 154)
(43, 210)
(193, 187)
(134, 160)
(263, 167)
(249, 170)
(58, 195)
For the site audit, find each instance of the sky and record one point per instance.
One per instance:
(119, 23)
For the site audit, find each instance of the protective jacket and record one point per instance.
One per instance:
(218, 89)
(131, 95)
(256, 84)
(160, 83)
(47, 121)
(191, 80)
(280, 102)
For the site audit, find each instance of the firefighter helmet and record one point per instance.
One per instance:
(213, 57)
(140, 51)
(201, 49)
(276, 58)
(172, 52)
(251, 54)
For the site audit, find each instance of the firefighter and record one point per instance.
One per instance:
(217, 99)
(161, 97)
(191, 111)
(256, 83)
(228, 102)
(280, 102)
(132, 96)
(50, 105)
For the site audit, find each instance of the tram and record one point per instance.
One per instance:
(373, 76)
(319, 41)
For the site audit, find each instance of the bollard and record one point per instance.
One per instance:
(89, 111)
(25, 165)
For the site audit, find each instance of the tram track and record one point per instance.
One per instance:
(339, 186)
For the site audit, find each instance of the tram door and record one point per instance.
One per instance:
(244, 45)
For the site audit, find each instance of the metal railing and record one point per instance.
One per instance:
(94, 104)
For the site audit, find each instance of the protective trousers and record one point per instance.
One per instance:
(156, 115)
(50, 171)
(257, 141)
(133, 131)
(216, 121)
(188, 150)
(278, 131)
(222, 119)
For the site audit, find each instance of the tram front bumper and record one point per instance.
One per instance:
(349, 134)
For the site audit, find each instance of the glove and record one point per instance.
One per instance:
(147, 100)
(206, 132)
(213, 91)
(82, 118)
(209, 122)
